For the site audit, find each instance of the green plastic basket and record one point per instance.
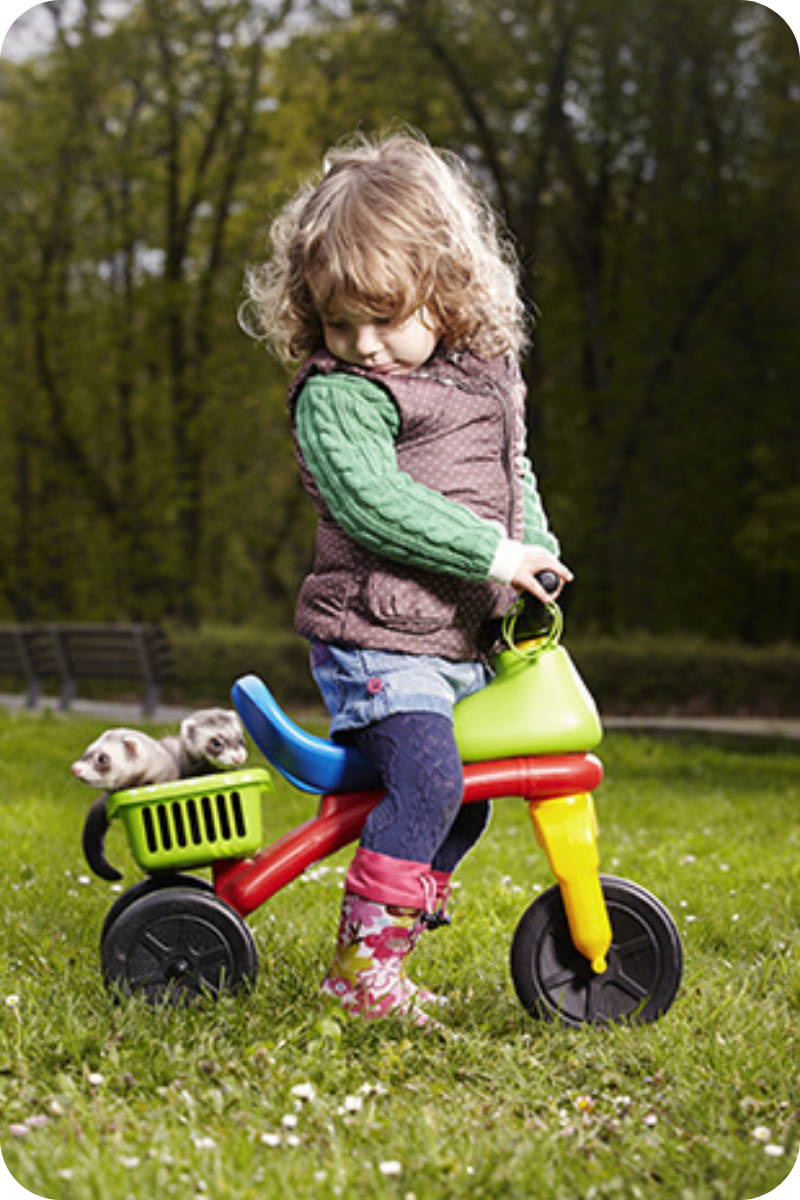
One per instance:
(193, 822)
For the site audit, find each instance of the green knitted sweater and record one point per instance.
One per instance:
(346, 428)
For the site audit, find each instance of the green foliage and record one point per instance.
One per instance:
(640, 674)
(642, 155)
(647, 674)
(208, 661)
(119, 1101)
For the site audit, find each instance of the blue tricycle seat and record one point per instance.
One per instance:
(311, 763)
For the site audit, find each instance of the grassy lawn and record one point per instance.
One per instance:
(272, 1095)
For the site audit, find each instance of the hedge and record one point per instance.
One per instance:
(639, 675)
(645, 675)
(208, 661)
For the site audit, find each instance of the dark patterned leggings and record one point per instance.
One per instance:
(420, 818)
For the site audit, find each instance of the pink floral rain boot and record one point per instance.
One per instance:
(368, 975)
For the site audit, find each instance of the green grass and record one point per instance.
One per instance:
(120, 1101)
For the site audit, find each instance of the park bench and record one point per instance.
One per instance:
(26, 652)
(74, 653)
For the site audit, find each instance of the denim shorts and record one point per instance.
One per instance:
(360, 687)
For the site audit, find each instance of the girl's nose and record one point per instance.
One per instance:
(367, 341)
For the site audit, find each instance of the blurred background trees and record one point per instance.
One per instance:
(644, 157)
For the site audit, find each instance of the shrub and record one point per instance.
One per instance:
(641, 674)
(209, 660)
(646, 674)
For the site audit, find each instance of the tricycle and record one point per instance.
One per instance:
(591, 949)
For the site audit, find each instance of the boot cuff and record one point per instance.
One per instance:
(395, 881)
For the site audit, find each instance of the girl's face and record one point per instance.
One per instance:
(384, 346)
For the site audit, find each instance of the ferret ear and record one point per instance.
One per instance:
(131, 745)
(188, 726)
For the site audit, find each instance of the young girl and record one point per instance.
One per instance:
(391, 283)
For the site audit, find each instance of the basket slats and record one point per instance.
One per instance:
(193, 822)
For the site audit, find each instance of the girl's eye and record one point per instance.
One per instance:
(343, 323)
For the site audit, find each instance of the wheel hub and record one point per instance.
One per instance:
(179, 968)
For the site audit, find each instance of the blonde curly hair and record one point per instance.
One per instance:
(391, 227)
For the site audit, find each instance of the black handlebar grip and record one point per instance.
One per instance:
(549, 580)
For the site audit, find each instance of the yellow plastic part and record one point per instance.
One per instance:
(566, 828)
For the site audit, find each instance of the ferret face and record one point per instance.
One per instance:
(214, 735)
(113, 761)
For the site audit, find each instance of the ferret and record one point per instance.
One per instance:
(123, 758)
(210, 740)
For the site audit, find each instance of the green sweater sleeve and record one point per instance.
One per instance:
(537, 529)
(346, 428)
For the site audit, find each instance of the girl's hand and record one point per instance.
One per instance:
(536, 559)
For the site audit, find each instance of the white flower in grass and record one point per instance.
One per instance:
(95, 1079)
(12, 1001)
(18, 1130)
(650, 1119)
(270, 1139)
(761, 1133)
(353, 1103)
(304, 1091)
(203, 1142)
(773, 1150)
(130, 1161)
(390, 1167)
(290, 1121)
(293, 1140)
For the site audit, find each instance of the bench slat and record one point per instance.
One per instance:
(74, 652)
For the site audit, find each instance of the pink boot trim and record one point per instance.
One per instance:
(396, 881)
(443, 888)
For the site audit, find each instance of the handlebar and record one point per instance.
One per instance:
(534, 617)
(549, 580)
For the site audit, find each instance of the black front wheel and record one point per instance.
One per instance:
(555, 982)
(176, 944)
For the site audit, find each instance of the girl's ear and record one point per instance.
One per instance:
(428, 319)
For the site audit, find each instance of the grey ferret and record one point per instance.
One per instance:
(211, 739)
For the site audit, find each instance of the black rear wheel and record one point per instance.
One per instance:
(153, 883)
(555, 982)
(176, 944)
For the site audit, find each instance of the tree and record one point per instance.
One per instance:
(643, 157)
(640, 154)
(120, 214)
